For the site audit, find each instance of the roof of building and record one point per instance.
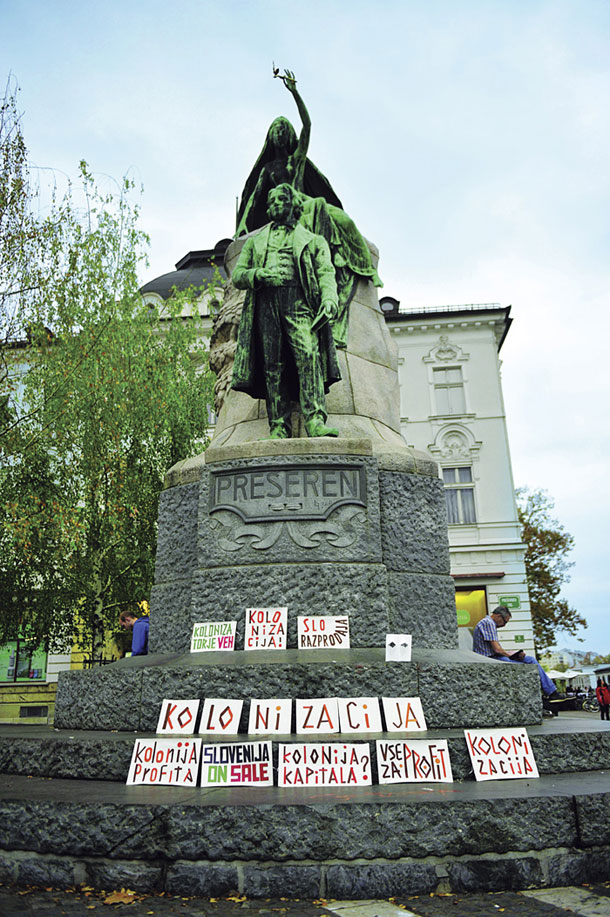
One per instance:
(393, 313)
(194, 269)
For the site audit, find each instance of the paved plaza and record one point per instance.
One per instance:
(588, 901)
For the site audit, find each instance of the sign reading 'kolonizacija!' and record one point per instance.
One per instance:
(293, 492)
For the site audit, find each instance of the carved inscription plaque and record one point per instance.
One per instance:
(295, 492)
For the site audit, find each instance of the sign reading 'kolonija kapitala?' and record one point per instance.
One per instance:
(324, 764)
(267, 493)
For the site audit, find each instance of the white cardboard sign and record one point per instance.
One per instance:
(317, 715)
(501, 754)
(398, 647)
(326, 632)
(211, 636)
(270, 716)
(359, 714)
(413, 761)
(178, 717)
(324, 764)
(239, 764)
(403, 714)
(266, 628)
(220, 716)
(165, 762)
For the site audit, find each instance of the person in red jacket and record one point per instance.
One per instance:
(602, 692)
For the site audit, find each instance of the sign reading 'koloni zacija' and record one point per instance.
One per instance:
(293, 492)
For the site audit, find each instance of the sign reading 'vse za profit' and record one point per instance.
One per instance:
(292, 492)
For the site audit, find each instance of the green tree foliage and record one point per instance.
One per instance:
(547, 548)
(101, 394)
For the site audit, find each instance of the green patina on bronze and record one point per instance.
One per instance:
(285, 349)
(283, 159)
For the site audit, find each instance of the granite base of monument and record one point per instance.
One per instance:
(63, 826)
(319, 527)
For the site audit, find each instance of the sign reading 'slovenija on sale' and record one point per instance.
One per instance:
(327, 632)
(266, 628)
(239, 764)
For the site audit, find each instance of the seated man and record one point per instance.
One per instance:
(485, 642)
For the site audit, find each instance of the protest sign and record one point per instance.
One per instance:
(266, 628)
(165, 762)
(359, 714)
(324, 764)
(413, 761)
(398, 648)
(178, 717)
(220, 716)
(317, 714)
(327, 632)
(500, 754)
(243, 764)
(270, 716)
(403, 714)
(211, 636)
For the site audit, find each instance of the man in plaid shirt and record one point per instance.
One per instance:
(485, 642)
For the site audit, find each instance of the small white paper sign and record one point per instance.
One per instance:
(398, 647)
(359, 714)
(317, 715)
(403, 714)
(178, 717)
(501, 754)
(324, 764)
(413, 761)
(165, 762)
(326, 632)
(243, 764)
(220, 716)
(270, 716)
(211, 636)
(266, 628)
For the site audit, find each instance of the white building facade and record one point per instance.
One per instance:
(452, 406)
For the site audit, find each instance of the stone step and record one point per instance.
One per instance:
(561, 745)
(457, 688)
(365, 843)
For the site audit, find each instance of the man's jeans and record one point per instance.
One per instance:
(548, 685)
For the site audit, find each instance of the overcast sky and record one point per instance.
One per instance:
(470, 141)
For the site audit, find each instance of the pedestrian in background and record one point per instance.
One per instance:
(602, 692)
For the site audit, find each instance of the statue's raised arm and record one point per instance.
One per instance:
(283, 160)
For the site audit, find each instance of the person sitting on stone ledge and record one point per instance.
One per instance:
(485, 643)
(139, 632)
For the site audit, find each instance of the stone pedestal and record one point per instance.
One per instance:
(320, 526)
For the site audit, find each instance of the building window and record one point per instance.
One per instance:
(471, 606)
(19, 663)
(459, 495)
(449, 391)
